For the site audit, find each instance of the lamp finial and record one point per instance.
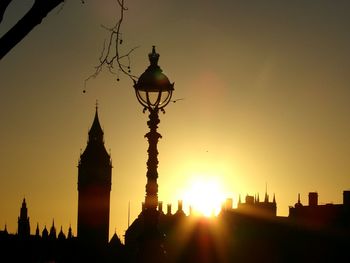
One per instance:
(153, 57)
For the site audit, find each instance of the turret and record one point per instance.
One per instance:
(45, 233)
(23, 221)
(37, 232)
(52, 234)
(61, 235)
(70, 234)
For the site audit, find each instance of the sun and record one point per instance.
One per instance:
(204, 195)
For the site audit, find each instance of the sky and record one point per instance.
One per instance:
(266, 90)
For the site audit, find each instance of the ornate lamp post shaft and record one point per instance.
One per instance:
(151, 200)
(153, 90)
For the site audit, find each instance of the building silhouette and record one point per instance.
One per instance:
(94, 186)
(253, 205)
(252, 232)
(320, 216)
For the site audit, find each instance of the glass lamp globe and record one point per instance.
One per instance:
(153, 88)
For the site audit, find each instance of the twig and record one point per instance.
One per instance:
(111, 56)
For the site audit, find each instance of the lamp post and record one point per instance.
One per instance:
(153, 91)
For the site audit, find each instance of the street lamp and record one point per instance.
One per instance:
(153, 91)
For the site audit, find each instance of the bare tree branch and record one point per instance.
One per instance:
(3, 6)
(31, 19)
(111, 56)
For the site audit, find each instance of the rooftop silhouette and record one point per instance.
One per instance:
(252, 232)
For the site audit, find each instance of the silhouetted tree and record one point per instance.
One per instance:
(30, 20)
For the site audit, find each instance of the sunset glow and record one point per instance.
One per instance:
(261, 96)
(205, 196)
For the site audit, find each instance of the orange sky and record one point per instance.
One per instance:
(266, 88)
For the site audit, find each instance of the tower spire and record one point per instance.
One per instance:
(96, 132)
(52, 233)
(266, 196)
(37, 233)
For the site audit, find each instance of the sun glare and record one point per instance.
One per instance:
(205, 196)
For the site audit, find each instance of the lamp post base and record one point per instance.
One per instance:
(151, 240)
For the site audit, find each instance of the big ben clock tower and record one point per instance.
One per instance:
(94, 186)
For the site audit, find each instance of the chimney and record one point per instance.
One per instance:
(160, 207)
(249, 199)
(313, 199)
(346, 198)
(228, 204)
(168, 209)
(179, 205)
